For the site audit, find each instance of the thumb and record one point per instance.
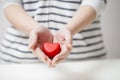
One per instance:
(69, 41)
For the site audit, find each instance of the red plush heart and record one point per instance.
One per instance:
(51, 49)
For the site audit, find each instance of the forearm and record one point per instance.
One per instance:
(84, 16)
(19, 18)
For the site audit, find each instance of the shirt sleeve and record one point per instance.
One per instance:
(98, 5)
(6, 3)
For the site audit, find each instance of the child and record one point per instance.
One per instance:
(75, 24)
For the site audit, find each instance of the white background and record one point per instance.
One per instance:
(110, 26)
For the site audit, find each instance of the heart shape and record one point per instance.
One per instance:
(51, 49)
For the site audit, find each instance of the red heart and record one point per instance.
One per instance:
(51, 49)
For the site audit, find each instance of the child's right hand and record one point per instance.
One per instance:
(38, 36)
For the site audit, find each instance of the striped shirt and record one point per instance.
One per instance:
(54, 14)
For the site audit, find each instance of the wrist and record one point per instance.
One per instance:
(70, 30)
(38, 28)
(33, 28)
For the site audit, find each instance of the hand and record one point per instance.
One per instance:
(38, 36)
(64, 37)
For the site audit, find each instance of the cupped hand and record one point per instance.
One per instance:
(64, 37)
(38, 36)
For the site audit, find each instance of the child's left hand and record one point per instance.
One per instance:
(64, 37)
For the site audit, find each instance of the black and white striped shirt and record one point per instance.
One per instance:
(55, 14)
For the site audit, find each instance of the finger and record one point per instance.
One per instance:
(49, 61)
(33, 41)
(44, 58)
(40, 54)
(61, 55)
(60, 60)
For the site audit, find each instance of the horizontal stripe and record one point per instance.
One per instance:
(29, 10)
(88, 37)
(69, 1)
(14, 45)
(46, 21)
(16, 42)
(17, 39)
(51, 13)
(12, 30)
(94, 36)
(96, 21)
(12, 59)
(21, 51)
(86, 58)
(30, 2)
(98, 42)
(73, 56)
(87, 48)
(8, 61)
(8, 54)
(92, 26)
(20, 36)
(58, 7)
(79, 41)
(65, 1)
(87, 52)
(20, 60)
(91, 44)
(92, 29)
(52, 28)
(17, 53)
(89, 33)
(58, 18)
(50, 6)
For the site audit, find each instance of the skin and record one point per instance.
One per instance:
(39, 34)
(84, 16)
